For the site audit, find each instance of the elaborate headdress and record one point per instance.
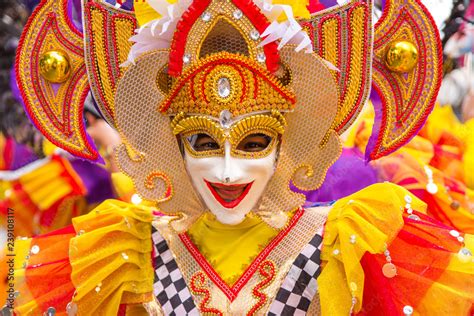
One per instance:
(228, 67)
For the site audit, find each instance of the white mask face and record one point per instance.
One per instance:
(230, 186)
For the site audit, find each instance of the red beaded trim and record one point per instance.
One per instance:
(197, 8)
(178, 44)
(267, 270)
(258, 19)
(198, 287)
(87, 150)
(222, 61)
(403, 112)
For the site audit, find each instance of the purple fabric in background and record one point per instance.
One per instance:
(96, 179)
(74, 12)
(328, 3)
(346, 176)
(22, 155)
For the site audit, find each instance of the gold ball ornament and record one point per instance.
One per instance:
(402, 56)
(54, 66)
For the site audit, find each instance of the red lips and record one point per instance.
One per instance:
(229, 195)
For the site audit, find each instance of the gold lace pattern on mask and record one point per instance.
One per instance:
(271, 125)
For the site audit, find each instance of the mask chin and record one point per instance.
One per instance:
(230, 187)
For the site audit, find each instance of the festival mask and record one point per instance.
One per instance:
(230, 162)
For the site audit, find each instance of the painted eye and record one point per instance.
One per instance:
(254, 143)
(203, 142)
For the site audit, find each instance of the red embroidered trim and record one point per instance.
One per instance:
(267, 271)
(178, 44)
(197, 8)
(339, 44)
(358, 104)
(89, 152)
(258, 19)
(402, 114)
(198, 287)
(232, 292)
(111, 50)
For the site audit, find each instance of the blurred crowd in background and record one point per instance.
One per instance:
(47, 187)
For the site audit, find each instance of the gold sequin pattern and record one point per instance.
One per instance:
(107, 32)
(343, 36)
(251, 88)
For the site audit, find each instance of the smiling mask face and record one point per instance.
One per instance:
(230, 167)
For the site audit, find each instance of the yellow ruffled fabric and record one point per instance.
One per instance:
(123, 186)
(111, 258)
(45, 185)
(364, 222)
(455, 286)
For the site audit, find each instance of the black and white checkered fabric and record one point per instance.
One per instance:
(300, 286)
(169, 286)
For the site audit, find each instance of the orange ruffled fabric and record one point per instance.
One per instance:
(430, 277)
(434, 274)
(102, 263)
(445, 146)
(46, 198)
(372, 219)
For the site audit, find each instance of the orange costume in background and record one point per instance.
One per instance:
(221, 105)
(435, 166)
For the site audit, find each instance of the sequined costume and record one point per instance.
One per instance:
(220, 106)
(435, 166)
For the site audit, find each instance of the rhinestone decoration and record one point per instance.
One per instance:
(124, 256)
(389, 270)
(454, 233)
(6, 311)
(238, 14)
(465, 255)
(352, 239)
(225, 118)
(51, 311)
(432, 188)
(254, 34)
(35, 249)
(408, 199)
(186, 58)
(261, 58)
(71, 309)
(465, 252)
(407, 310)
(97, 289)
(136, 199)
(206, 16)
(223, 87)
(414, 217)
(335, 252)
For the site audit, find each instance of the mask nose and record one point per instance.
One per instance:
(229, 174)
